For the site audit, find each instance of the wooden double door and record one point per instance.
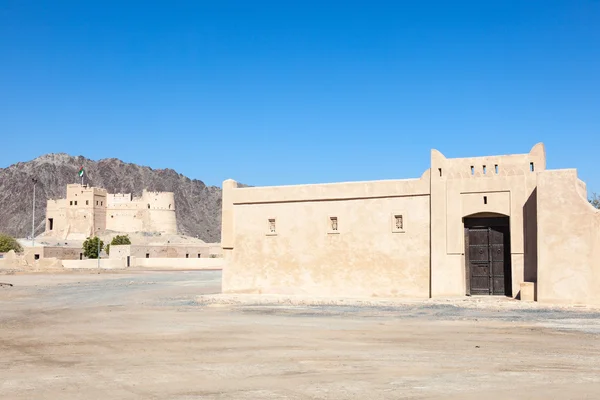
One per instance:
(487, 256)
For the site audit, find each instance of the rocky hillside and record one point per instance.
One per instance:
(198, 206)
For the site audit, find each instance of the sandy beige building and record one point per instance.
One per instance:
(89, 210)
(497, 225)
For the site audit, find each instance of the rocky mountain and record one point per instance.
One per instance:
(198, 207)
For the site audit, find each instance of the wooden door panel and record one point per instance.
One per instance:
(498, 285)
(486, 260)
(497, 268)
(497, 252)
(479, 253)
(497, 236)
(478, 237)
(480, 270)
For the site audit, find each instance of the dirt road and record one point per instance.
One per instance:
(146, 336)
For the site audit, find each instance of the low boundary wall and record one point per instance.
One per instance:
(105, 263)
(177, 263)
(146, 263)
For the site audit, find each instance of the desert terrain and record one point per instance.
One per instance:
(171, 335)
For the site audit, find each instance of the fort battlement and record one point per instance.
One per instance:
(87, 210)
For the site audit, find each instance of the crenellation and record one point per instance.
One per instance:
(89, 210)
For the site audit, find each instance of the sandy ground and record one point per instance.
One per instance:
(150, 336)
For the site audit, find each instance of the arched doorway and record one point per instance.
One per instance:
(487, 255)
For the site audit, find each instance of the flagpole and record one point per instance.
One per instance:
(34, 180)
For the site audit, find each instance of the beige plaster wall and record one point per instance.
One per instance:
(568, 241)
(56, 209)
(178, 263)
(166, 251)
(80, 215)
(119, 251)
(458, 188)
(105, 263)
(12, 260)
(26, 261)
(152, 212)
(554, 232)
(365, 257)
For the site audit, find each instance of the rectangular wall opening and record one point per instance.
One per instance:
(334, 223)
(272, 228)
(50, 224)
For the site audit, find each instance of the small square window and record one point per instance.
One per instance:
(75, 202)
(398, 222)
(36, 257)
(147, 255)
(187, 255)
(87, 202)
(71, 203)
(199, 255)
(333, 225)
(271, 227)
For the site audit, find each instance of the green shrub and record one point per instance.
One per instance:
(118, 241)
(8, 243)
(90, 247)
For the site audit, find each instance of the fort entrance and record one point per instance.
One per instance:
(487, 256)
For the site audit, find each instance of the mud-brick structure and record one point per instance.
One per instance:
(88, 210)
(495, 225)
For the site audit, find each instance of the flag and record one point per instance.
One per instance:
(81, 171)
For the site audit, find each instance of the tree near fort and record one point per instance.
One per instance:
(8, 243)
(90, 247)
(595, 200)
(117, 241)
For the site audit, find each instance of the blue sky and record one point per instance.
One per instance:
(287, 92)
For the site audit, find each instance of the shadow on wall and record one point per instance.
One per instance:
(530, 231)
